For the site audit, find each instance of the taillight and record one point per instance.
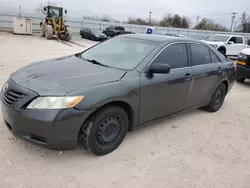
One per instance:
(235, 67)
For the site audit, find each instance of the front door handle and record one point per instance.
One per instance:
(188, 76)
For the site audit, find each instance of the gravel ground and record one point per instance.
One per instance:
(195, 149)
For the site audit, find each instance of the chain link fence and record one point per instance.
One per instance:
(6, 24)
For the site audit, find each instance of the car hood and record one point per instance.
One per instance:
(245, 51)
(100, 34)
(63, 75)
(214, 43)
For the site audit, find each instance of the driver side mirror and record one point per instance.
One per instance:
(230, 42)
(158, 68)
(44, 8)
(65, 11)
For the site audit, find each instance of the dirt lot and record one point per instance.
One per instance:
(195, 149)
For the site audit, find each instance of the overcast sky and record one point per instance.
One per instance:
(219, 10)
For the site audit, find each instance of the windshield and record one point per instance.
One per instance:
(54, 13)
(217, 38)
(120, 52)
(98, 32)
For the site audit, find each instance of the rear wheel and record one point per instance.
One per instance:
(217, 98)
(240, 80)
(69, 34)
(48, 32)
(105, 130)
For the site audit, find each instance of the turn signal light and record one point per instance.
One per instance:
(241, 63)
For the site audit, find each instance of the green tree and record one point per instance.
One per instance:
(208, 24)
(244, 23)
(138, 21)
(175, 21)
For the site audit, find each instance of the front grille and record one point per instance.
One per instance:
(11, 96)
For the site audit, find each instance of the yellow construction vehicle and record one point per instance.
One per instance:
(54, 26)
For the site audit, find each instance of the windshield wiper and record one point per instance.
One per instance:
(94, 62)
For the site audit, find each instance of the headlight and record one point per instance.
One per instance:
(55, 102)
(242, 56)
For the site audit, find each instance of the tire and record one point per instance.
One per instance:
(48, 32)
(105, 130)
(222, 51)
(69, 34)
(92, 38)
(240, 80)
(217, 98)
(42, 31)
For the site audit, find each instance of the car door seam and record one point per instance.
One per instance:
(189, 93)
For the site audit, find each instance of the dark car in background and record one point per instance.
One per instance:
(113, 31)
(87, 33)
(243, 65)
(96, 96)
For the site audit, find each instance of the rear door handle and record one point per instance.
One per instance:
(219, 69)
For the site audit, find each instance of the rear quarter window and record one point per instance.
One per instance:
(214, 57)
(238, 40)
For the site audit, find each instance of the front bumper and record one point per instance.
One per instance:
(53, 129)
(243, 72)
(101, 38)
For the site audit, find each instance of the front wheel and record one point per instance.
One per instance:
(240, 80)
(105, 130)
(49, 32)
(222, 51)
(217, 98)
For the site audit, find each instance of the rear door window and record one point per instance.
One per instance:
(200, 54)
(238, 40)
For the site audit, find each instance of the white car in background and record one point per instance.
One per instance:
(228, 45)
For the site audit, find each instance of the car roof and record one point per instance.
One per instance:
(157, 38)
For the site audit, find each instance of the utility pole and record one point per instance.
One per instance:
(197, 20)
(149, 17)
(233, 17)
(20, 11)
(235, 24)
